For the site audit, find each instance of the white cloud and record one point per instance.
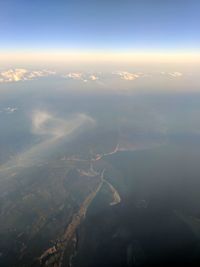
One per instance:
(128, 76)
(74, 75)
(9, 110)
(16, 75)
(85, 77)
(13, 75)
(174, 74)
(93, 77)
(39, 119)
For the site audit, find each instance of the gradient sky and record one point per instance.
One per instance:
(112, 25)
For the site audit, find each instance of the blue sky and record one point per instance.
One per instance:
(114, 25)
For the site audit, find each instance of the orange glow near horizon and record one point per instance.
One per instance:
(100, 57)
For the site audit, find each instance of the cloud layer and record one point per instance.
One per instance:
(21, 74)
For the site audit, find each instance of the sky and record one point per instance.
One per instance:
(154, 26)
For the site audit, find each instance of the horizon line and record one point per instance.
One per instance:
(100, 56)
